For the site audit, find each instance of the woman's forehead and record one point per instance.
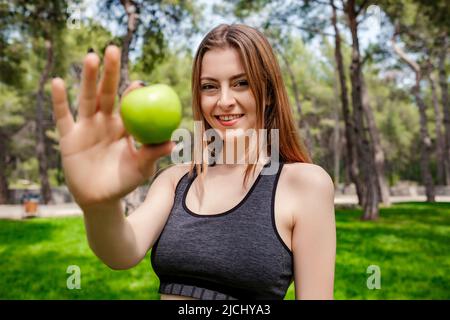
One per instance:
(221, 64)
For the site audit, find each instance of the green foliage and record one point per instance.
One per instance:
(11, 56)
(154, 49)
(158, 21)
(22, 59)
(397, 119)
(436, 11)
(10, 109)
(28, 170)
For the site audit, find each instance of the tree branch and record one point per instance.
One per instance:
(361, 7)
(399, 51)
(326, 3)
(311, 30)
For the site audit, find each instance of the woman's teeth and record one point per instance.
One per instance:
(230, 117)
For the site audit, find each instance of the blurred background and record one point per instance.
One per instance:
(368, 85)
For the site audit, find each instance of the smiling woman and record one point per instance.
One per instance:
(239, 231)
(237, 84)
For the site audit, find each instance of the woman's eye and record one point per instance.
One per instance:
(206, 87)
(242, 82)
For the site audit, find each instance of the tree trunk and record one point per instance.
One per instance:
(132, 11)
(132, 200)
(4, 189)
(351, 155)
(441, 163)
(336, 136)
(46, 192)
(445, 103)
(377, 151)
(365, 159)
(425, 143)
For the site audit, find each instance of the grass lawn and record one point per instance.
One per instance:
(410, 244)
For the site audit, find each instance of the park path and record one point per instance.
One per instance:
(17, 212)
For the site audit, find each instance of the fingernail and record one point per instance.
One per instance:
(143, 83)
(90, 50)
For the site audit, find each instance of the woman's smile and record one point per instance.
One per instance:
(229, 120)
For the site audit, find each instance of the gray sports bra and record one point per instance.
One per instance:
(237, 254)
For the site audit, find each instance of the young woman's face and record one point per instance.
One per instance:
(225, 92)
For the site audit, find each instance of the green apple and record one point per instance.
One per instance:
(150, 114)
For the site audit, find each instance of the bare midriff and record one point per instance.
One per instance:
(176, 297)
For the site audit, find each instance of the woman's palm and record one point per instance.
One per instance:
(99, 158)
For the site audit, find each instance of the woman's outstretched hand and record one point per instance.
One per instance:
(100, 161)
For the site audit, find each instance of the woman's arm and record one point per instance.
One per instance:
(122, 242)
(314, 233)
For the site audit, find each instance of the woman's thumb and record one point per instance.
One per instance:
(152, 152)
(147, 156)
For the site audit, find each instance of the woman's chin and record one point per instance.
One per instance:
(232, 134)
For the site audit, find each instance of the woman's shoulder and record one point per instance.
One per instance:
(307, 176)
(309, 187)
(173, 172)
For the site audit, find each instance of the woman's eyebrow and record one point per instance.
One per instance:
(233, 77)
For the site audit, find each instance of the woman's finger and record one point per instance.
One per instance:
(110, 79)
(134, 85)
(88, 95)
(61, 112)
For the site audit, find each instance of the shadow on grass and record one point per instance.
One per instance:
(23, 232)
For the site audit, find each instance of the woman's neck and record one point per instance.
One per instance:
(230, 156)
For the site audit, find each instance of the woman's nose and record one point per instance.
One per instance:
(226, 99)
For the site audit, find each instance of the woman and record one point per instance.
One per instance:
(236, 231)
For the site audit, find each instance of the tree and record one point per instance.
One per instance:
(366, 160)
(10, 121)
(152, 22)
(352, 165)
(11, 76)
(43, 22)
(441, 164)
(418, 29)
(443, 54)
(425, 142)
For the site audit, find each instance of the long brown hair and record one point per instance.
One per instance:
(264, 76)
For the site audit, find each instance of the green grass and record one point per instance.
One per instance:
(410, 243)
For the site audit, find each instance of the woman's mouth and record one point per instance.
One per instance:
(229, 120)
